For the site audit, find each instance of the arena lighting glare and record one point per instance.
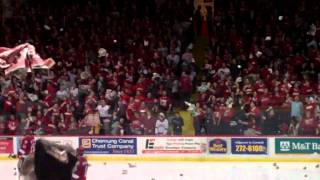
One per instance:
(46, 27)
(115, 41)
(268, 38)
(145, 42)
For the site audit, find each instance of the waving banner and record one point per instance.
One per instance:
(23, 56)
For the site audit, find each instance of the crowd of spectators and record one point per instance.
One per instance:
(127, 67)
(261, 72)
(118, 67)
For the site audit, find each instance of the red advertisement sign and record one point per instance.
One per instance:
(6, 145)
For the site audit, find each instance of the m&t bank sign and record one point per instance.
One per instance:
(297, 145)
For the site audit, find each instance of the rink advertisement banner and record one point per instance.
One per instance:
(70, 141)
(6, 145)
(297, 145)
(217, 146)
(249, 146)
(109, 145)
(172, 145)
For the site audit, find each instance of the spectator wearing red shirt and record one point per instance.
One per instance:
(50, 126)
(307, 89)
(8, 106)
(311, 106)
(265, 99)
(165, 102)
(149, 123)
(308, 125)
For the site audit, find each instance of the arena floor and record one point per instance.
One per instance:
(189, 171)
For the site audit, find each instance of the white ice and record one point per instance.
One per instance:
(189, 171)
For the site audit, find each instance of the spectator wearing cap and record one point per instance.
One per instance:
(162, 125)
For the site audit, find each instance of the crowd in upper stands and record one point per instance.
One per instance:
(126, 67)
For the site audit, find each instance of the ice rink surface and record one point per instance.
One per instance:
(122, 170)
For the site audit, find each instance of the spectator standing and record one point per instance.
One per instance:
(198, 20)
(177, 123)
(196, 113)
(296, 108)
(308, 125)
(209, 122)
(271, 122)
(162, 125)
(92, 120)
(105, 117)
(294, 127)
(148, 122)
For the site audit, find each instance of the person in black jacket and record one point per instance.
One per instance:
(177, 123)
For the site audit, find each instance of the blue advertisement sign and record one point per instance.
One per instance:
(249, 146)
(109, 145)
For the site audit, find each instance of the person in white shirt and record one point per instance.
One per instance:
(105, 116)
(62, 94)
(162, 125)
(173, 59)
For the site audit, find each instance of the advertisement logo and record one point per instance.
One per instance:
(285, 146)
(86, 143)
(297, 145)
(109, 145)
(150, 143)
(174, 145)
(217, 146)
(249, 146)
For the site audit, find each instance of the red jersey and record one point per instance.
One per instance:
(26, 146)
(80, 169)
(164, 101)
(308, 126)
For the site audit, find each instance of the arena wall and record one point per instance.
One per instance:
(185, 148)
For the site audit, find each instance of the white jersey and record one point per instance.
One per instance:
(103, 111)
(162, 127)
